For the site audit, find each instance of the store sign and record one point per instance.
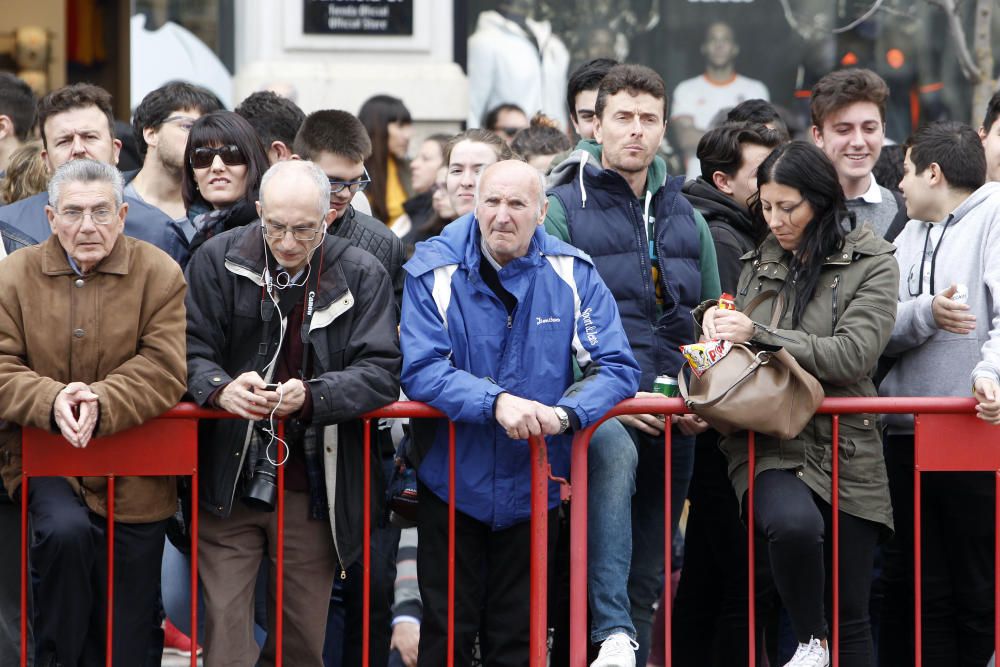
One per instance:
(357, 17)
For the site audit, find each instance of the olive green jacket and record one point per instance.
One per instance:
(843, 331)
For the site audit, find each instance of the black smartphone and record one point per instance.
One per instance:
(271, 387)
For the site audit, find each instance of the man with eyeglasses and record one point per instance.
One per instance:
(77, 122)
(161, 124)
(339, 144)
(93, 344)
(323, 329)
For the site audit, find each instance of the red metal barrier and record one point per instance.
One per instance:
(538, 652)
(173, 439)
(936, 418)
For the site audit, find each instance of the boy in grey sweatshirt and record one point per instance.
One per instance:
(946, 342)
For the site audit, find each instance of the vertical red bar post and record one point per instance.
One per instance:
(538, 631)
(279, 621)
(111, 570)
(751, 581)
(578, 551)
(366, 582)
(835, 509)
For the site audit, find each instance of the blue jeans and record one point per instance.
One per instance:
(625, 557)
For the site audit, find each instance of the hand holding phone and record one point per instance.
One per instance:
(272, 387)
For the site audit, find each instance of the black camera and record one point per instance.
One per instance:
(263, 489)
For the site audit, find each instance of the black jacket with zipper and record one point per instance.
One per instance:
(354, 362)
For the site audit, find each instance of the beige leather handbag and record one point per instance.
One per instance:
(752, 389)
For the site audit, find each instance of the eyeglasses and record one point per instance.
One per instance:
(278, 232)
(183, 122)
(100, 216)
(352, 186)
(203, 157)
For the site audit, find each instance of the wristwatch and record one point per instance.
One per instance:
(563, 418)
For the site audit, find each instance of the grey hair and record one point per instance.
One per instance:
(541, 185)
(306, 169)
(86, 171)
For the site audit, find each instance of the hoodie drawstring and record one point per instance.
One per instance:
(583, 188)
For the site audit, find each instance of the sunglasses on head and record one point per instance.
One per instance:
(203, 157)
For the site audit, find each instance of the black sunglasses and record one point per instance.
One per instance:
(203, 157)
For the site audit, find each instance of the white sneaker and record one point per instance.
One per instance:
(618, 650)
(813, 654)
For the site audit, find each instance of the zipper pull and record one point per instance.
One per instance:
(510, 321)
(343, 574)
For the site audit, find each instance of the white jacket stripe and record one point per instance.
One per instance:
(563, 266)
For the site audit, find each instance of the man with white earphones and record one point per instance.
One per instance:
(284, 322)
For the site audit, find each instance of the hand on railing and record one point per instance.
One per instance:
(651, 424)
(239, 397)
(988, 394)
(76, 410)
(523, 418)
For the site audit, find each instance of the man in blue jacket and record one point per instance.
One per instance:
(494, 312)
(77, 122)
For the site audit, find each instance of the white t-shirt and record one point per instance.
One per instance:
(701, 98)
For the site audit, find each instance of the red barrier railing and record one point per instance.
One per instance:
(168, 446)
(936, 419)
(173, 439)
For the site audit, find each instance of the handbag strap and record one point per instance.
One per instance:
(776, 309)
(757, 362)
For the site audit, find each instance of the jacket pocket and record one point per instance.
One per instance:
(855, 430)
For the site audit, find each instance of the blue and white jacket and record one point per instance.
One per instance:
(460, 350)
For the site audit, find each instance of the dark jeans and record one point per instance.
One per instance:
(492, 586)
(957, 526)
(69, 556)
(797, 526)
(10, 585)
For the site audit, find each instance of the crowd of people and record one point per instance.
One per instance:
(278, 265)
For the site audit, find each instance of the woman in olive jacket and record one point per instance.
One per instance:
(837, 294)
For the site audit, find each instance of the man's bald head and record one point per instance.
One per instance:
(299, 178)
(517, 170)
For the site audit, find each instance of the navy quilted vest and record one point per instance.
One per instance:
(610, 228)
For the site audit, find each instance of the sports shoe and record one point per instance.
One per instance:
(813, 654)
(176, 642)
(618, 650)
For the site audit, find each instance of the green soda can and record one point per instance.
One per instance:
(666, 385)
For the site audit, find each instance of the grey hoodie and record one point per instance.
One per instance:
(962, 249)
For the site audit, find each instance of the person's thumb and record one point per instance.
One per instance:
(950, 292)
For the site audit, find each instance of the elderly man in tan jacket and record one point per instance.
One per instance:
(92, 342)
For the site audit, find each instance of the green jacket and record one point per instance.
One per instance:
(843, 331)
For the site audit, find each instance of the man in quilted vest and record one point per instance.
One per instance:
(613, 199)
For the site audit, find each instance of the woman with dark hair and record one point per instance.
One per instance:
(418, 209)
(224, 161)
(833, 290)
(389, 126)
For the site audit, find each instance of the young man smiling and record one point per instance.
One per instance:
(848, 116)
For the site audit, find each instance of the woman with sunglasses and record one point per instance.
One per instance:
(833, 288)
(390, 127)
(223, 163)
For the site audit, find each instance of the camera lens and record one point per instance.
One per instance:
(263, 487)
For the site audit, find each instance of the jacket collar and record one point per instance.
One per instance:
(246, 258)
(56, 263)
